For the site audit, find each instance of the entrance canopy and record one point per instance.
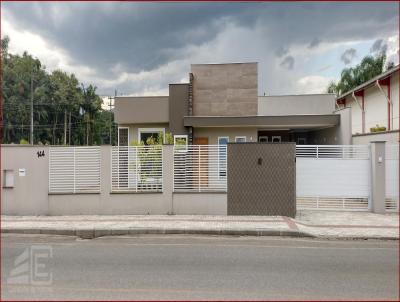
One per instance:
(311, 121)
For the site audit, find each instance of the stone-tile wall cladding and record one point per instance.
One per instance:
(225, 89)
(262, 179)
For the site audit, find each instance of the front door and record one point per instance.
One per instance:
(200, 141)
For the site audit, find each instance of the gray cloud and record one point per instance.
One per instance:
(348, 55)
(281, 51)
(314, 43)
(378, 47)
(146, 36)
(288, 62)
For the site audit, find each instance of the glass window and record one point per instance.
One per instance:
(151, 134)
(240, 139)
(276, 139)
(123, 136)
(223, 140)
(180, 140)
(263, 139)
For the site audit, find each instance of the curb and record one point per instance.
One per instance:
(94, 233)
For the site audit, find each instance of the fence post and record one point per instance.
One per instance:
(378, 193)
(74, 150)
(168, 158)
(199, 167)
(137, 167)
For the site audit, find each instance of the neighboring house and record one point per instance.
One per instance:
(375, 103)
(220, 104)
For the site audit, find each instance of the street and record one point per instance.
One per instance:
(179, 267)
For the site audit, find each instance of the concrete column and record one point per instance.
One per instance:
(378, 177)
(168, 175)
(105, 182)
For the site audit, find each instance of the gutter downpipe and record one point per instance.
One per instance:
(387, 97)
(362, 110)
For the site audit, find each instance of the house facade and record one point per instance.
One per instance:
(220, 104)
(375, 108)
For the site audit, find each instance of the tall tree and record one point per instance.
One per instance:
(354, 76)
(58, 99)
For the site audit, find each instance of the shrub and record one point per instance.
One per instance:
(377, 128)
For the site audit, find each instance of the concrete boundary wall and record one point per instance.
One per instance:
(30, 194)
(28, 167)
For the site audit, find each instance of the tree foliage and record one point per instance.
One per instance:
(60, 103)
(352, 77)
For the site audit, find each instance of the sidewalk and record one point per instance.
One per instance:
(341, 225)
(319, 224)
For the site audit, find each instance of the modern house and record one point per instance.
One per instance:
(220, 104)
(375, 108)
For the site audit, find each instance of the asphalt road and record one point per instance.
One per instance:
(197, 267)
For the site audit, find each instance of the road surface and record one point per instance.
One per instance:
(197, 268)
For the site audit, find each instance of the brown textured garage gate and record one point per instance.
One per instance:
(262, 179)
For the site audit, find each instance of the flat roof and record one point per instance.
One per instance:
(231, 63)
(285, 95)
(141, 97)
(301, 121)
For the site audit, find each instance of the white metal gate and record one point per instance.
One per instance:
(74, 170)
(333, 177)
(392, 177)
(200, 168)
(137, 168)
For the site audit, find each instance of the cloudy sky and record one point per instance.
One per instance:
(139, 48)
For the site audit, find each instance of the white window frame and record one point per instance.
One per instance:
(276, 136)
(263, 136)
(182, 148)
(181, 136)
(240, 137)
(118, 133)
(227, 138)
(151, 130)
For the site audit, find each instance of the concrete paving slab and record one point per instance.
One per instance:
(323, 224)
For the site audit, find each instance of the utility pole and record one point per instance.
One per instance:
(31, 136)
(69, 130)
(87, 130)
(110, 98)
(65, 127)
(111, 121)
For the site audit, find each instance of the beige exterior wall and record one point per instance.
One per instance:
(394, 89)
(225, 89)
(213, 133)
(356, 112)
(391, 137)
(338, 135)
(203, 204)
(376, 108)
(296, 104)
(30, 196)
(134, 129)
(154, 109)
